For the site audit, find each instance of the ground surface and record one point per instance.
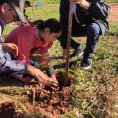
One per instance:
(114, 11)
(41, 99)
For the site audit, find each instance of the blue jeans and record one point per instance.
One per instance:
(92, 32)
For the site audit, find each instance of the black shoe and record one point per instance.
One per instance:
(77, 53)
(86, 63)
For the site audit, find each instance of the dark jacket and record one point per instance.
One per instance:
(97, 12)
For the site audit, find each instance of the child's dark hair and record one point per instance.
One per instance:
(28, 3)
(53, 24)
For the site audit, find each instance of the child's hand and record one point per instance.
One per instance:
(57, 88)
(82, 3)
(52, 83)
(41, 77)
(54, 88)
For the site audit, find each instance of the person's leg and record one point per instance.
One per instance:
(78, 49)
(93, 33)
(78, 31)
(75, 45)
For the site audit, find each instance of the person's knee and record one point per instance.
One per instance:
(93, 29)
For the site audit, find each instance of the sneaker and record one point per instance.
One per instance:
(86, 63)
(77, 53)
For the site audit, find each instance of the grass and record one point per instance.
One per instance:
(97, 87)
(111, 1)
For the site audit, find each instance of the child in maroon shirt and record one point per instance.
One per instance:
(31, 40)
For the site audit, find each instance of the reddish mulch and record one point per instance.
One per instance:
(44, 101)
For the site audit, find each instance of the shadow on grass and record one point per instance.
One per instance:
(59, 66)
(7, 80)
(71, 64)
(112, 34)
(59, 57)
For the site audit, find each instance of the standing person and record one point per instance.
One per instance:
(9, 12)
(89, 19)
(35, 40)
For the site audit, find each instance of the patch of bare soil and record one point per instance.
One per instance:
(55, 4)
(113, 11)
(7, 110)
(41, 99)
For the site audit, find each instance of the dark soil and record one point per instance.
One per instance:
(39, 99)
(7, 110)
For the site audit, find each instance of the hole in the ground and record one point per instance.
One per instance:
(60, 77)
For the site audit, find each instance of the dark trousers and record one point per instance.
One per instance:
(92, 32)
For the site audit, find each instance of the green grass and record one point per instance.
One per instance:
(97, 87)
(111, 1)
(113, 28)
